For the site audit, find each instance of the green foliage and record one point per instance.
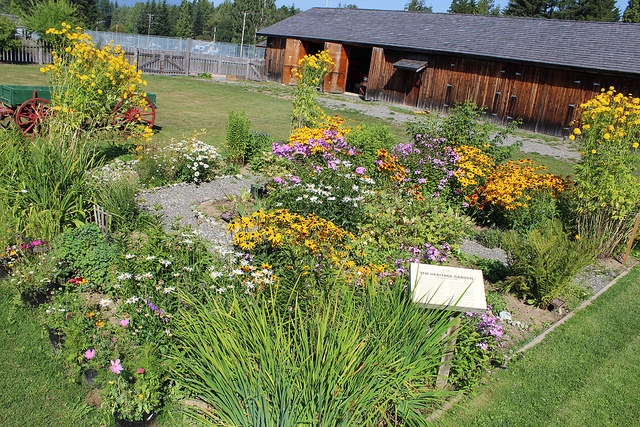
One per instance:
(8, 39)
(259, 143)
(480, 7)
(49, 14)
(84, 252)
(632, 12)
(369, 139)
(119, 198)
(43, 185)
(238, 137)
(531, 8)
(309, 75)
(463, 126)
(546, 260)
(293, 365)
(395, 222)
(417, 6)
(492, 270)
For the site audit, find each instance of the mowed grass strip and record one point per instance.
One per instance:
(33, 388)
(585, 373)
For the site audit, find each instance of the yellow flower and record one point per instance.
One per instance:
(572, 137)
(577, 131)
(635, 145)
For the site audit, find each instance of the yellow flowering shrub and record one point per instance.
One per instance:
(608, 176)
(88, 82)
(512, 185)
(309, 74)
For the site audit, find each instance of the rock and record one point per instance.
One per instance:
(505, 315)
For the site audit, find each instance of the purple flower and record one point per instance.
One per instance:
(89, 354)
(360, 170)
(483, 345)
(278, 180)
(115, 367)
(124, 322)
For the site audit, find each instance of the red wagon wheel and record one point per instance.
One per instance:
(31, 115)
(6, 116)
(129, 113)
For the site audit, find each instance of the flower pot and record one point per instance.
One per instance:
(258, 191)
(89, 377)
(36, 297)
(56, 337)
(148, 420)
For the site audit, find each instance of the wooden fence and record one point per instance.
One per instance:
(156, 62)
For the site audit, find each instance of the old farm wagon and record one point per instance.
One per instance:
(29, 107)
(536, 70)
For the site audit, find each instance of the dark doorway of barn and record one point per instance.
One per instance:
(312, 48)
(359, 61)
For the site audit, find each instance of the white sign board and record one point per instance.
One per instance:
(436, 286)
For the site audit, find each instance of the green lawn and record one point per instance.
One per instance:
(34, 390)
(584, 374)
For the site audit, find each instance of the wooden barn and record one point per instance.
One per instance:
(536, 70)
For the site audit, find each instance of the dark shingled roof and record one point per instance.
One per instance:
(607, 46)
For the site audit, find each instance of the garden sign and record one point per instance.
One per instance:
(460, 289)
(435, 286)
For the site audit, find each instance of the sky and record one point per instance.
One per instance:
(438, 5)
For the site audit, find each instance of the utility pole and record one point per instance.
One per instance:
(244, 20)
(149, 27)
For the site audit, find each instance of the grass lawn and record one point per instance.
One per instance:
(34, 390)
(584, 374)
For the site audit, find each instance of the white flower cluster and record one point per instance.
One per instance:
(196, 155)
(236, 267)
(114, 170)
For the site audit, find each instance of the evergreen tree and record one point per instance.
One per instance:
(162, 19)
(588, 10)
(87, 12)
(417, 6)
(183, 24)
(487, 7)
(632, 12)
(105, 12)
(463, 6)
(531, 8)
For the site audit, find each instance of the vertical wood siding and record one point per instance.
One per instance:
(336, 79)
(274, 58)
(544, 99)
(294, 51)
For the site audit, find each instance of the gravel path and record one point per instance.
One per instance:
(179, 203)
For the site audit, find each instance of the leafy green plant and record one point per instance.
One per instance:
(309, 74)
(8, 39)
(369, 139)
(84, 252)
(238, 137)
(252, 366)
(119, 198)
(544, 260)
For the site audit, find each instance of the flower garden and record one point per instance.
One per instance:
(304, 315)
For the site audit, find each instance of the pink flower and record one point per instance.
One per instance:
(115, 367)
(360, 170)
(89, 354)
(141, 371)
(124, 322)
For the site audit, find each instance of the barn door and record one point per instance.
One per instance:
(293, 52)
(336, 80)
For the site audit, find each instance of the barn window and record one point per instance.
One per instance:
(511, 107)
(569, 115)
(496, 103)
(447, 96)
(411, 65)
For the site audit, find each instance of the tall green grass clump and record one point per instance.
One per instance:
(361, 357)
(43, 185)
(238, 136)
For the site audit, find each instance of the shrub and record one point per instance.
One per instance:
(238, 137)
(84, 252)
(119, 198)
(369, 139)
(463, 126)
(545, 259)
(8, 38)
(607, 178)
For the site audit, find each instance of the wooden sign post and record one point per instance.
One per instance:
(458, 289)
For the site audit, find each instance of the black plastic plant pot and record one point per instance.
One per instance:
(56, 337)
(89, 376)
(258, 191)
(36, 297)
(148, 420)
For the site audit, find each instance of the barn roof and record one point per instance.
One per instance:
(606, 46)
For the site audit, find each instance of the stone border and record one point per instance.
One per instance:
(537, 340)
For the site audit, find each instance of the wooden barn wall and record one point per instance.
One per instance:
(336, 79)
(546, 100)
(294, 51)
(274, 59)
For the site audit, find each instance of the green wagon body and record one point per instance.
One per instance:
(15, 95)
(29, 107)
